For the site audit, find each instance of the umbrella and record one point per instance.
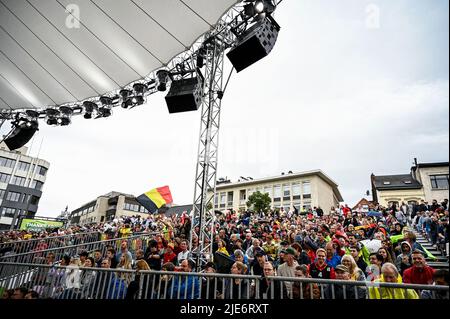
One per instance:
(374, 213)
(372, 245)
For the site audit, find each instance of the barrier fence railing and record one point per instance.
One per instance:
(39, 257)
(25, 246)
(98, 283)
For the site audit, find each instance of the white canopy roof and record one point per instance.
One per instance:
(50, 57)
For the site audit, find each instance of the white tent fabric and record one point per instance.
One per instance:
(62, 51)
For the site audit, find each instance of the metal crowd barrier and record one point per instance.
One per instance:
(39, 257)
(97, 283)
(25, 246)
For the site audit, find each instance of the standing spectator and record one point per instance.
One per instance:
(152, 256)
(125, 263)
(440, 278)
(319, 268)
(271, 289)
(237, 288)
(303, 290)
(186, 287)
(169, 255)
(98, 256)
(88, 278)
(111, 255)
(390, 275)
(133, 287)
(420, 273)
(184, 253)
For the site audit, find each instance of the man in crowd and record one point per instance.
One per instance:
(288, 268)
(420, 273)
(320, 269)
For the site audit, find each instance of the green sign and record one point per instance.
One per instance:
(39, 225)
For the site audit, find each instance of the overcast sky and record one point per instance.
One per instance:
(352, 87)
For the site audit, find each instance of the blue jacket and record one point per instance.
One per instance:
(187, 287)
(334, 261)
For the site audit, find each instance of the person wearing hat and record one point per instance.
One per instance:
(287, 269)
(340, 291)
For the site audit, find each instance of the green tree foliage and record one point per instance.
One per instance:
(259, 202)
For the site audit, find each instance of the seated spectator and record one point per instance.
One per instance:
(301, 256)
(19, 293)
(373, 270)
(420, 273)
(341, 291)
(287, 269)
(304, 290)
(404, 260)
(32, 295)
(390, 274)
(111, 255)
(169, 255)
(221, 247)
(332, 258)
(357, 256)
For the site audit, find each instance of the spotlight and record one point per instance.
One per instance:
(126, 98)
(22, 131)
(139, 89)
(163, 78)
(66, 114)
(259, 6)
(89, 108)
(105, 109)
(52, 116)
(254, 44)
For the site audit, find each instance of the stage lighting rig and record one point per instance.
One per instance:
(163, 78)
(107, 103)
(89, 109)
(52, 116)
(23, 129)
(66, 114)
(126, 98)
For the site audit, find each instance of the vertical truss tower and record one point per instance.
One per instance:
(207, 158)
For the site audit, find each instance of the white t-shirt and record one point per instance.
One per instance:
(182, 256)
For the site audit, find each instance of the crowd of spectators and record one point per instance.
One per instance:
(350, 245)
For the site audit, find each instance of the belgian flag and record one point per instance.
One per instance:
(155, 198)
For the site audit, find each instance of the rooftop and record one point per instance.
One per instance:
(405, 181)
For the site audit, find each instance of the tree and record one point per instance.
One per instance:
(259, 201)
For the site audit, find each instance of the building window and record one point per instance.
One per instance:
(296, 191)
(42, 170)
(216, 200)
(286, 192)
(242, 197)
(2, 193)
(277, 193)
(306, 189)
(268, 190)
(131, 207)
(23, 166)
(36, 185)
(4, 178)
(223, 199)
(17, 180)
(230, 199)
(9, 212)
(13, 196)
(7, 162)
(439, 181)
(34, 200)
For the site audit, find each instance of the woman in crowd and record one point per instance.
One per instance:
(237, 288)
(88, 278)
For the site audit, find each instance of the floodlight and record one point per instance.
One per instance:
(52, 116)
(89, 108)
(163, 78)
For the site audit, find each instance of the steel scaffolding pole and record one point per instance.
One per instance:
(205, 177)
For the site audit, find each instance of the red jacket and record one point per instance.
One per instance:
(419, 276)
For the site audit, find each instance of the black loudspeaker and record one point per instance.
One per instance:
(185, 95)
(20, 136)
(223, 263)
(256, 43)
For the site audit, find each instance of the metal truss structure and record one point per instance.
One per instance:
(210, 49)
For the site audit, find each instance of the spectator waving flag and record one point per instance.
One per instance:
(155, 198)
